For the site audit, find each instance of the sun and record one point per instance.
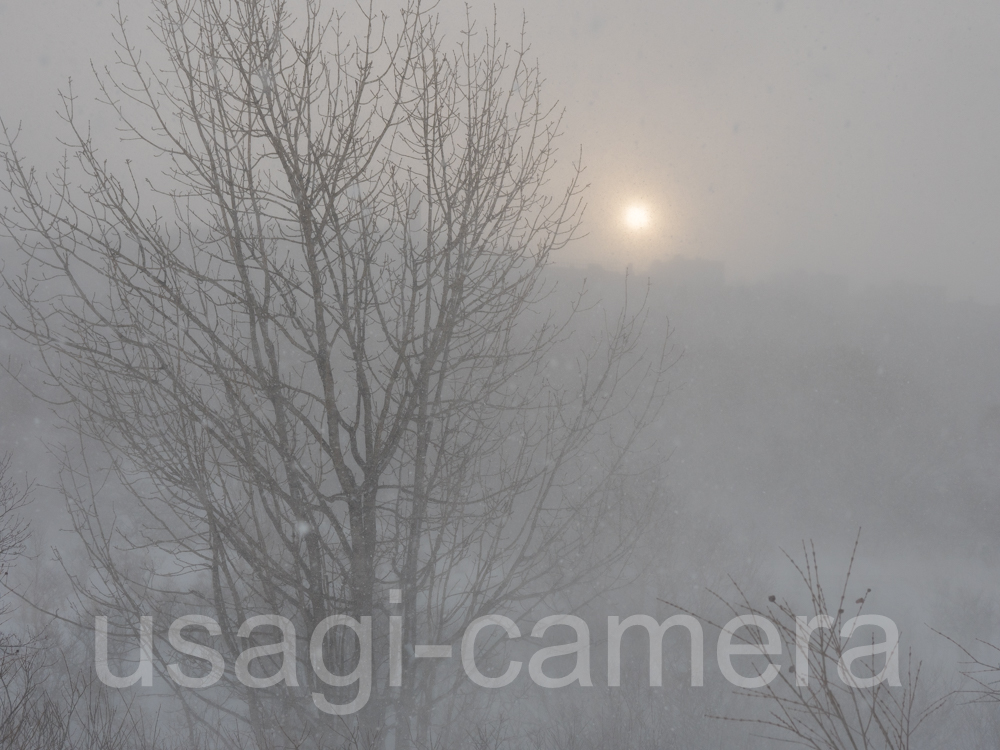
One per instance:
(637, 217)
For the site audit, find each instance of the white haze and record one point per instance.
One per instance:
(825, 184)
(849, 138)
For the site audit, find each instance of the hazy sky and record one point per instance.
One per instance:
(855, 138)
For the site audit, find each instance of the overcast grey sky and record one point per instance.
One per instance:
(848, 137)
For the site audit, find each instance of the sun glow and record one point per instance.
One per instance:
(637, 217)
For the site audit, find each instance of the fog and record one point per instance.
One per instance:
(820, 259)
(774, 136)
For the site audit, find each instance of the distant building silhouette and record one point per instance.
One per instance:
(681, 271)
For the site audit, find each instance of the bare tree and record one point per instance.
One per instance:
(13, 528)
(38, 712)
(38, 709)
(315, 351)
(823, 711)
(980, 669)
(17, 683)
